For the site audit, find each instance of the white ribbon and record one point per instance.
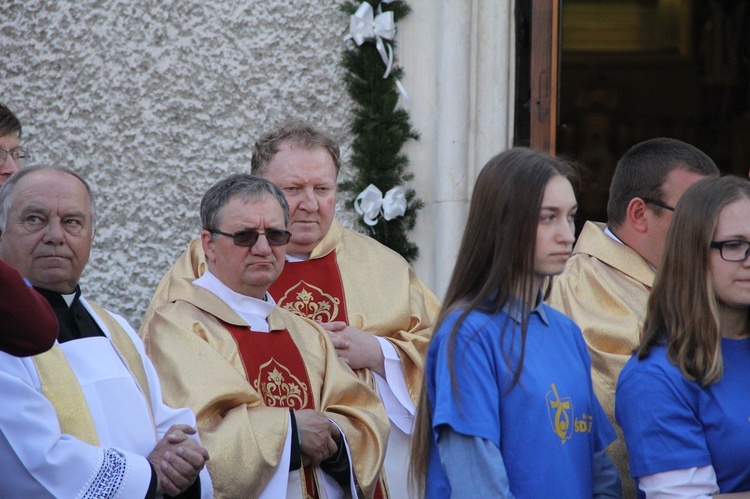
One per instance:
(370, 202)
(404, 95)
(365, 25)
(394, 203)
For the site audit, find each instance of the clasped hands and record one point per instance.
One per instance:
(319, 437)
(177, 460)
(356, 348)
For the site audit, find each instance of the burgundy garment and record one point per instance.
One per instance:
(27, 323)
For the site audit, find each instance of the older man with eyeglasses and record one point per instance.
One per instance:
(280, 413)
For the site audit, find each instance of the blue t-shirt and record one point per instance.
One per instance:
(547, 427)
(672, 423)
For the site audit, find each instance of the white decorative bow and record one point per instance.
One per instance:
(364, 25)
(370, 202)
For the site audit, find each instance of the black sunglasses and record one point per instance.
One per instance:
(249, 237)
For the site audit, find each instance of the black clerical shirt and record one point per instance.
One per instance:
(75, 321)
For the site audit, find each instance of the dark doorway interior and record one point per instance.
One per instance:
(637, 69)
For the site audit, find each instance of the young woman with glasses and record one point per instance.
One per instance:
(682, 400)
(508, 407)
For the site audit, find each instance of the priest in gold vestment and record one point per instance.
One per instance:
(607, 281)
(378, 312)
(280, 413)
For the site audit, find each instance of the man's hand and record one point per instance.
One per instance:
(355, 347)
(177, 460)
(318, 436)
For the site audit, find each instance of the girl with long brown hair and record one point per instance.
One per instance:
(682, 400)
(508, 408)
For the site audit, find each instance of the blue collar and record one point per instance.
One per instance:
(513, 309)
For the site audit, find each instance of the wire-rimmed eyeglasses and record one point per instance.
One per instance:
(16, 154)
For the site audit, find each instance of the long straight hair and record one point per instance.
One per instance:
(495, 265)
(683, 311)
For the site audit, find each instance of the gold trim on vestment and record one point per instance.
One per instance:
(60, 386)
(129, 353)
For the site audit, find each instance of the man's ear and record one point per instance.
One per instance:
(207, 243)
(637, 215)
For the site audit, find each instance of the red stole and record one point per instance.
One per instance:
(312, 289)
(276, 370)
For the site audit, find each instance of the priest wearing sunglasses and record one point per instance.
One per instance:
(279, 412)
(377, 311)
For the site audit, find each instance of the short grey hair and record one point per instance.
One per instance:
(245, 186)
(8, 189)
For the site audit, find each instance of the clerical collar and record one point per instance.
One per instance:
(74, 320)
(612, 235)
(297, 257)
(56, 299)
(252, 310)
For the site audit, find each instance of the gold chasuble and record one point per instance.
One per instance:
(349, 277)
(604, 288)
(241, 385)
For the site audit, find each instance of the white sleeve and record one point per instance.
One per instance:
(393, 390)
(39, 461)
(277, 486)
(165, 416)
(699, 483)
(332, 488)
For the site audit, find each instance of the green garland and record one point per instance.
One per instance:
(380, 130)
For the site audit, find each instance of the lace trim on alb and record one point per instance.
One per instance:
(108, 479)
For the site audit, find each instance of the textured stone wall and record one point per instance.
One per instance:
(153, 101)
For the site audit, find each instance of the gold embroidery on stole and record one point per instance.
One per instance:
(279, 387)
(310, 301)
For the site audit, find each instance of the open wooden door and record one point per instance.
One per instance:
(545, 45)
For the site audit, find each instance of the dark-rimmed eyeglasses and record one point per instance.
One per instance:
(249, 237)
(16, 154)
(658, 203)
(732, 251)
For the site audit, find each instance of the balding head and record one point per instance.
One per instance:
(47, 217)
